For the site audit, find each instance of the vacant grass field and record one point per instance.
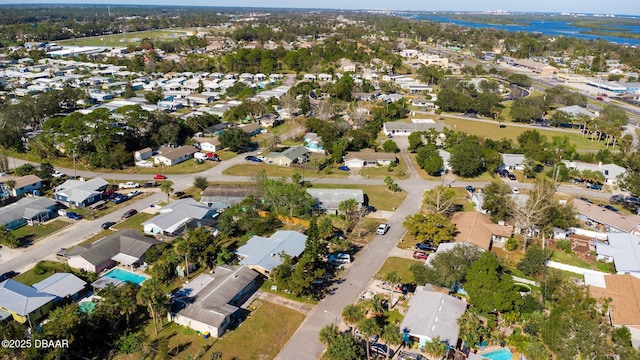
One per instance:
(132, 38)
(380, 172)
(573, 259)
(400, 266)
(282, 171)
(29, 234)
(492, 131)
(261, 336)
(43, 270)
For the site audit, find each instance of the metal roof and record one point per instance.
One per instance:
(25, 208)
(61, 285)
(22, 299)
(78, 191)
(265, 252)
(331, 198)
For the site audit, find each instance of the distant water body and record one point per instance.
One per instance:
(546, 27)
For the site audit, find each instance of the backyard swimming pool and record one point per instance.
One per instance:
(123, 275)
(502, 354)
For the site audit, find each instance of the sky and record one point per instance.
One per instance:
(628, 7)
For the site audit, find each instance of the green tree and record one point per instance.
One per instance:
(429, 159)
(436, 348)
(8, 238)
(496, 200)
(325, 227)
(449, 267)
(166, 188)
(534, 261)
(471, 329)
(489, 288)
(390, 146)
(532, 216)
(467, 158)
(329, 334)
(234, 139)
(415, 140)
(393, 279)
(430, 227)
(155, 299)
(345, 347)
(439, 200)
(391, 184)
(200, 182)
(352, 314)
(391, 336)
(368, 327)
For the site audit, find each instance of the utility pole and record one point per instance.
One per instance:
(75, 175)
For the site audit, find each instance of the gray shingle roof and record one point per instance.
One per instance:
(20, 298)
(264, 252)
(128, 242)
(207, 297)
(291, 153)
(61, 285)
(432, 314)
(622, 222)
(178, 212)
(25, 208)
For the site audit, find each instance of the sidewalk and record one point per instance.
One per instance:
(574, 269)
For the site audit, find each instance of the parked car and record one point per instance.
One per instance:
(503, 172)
(134, 193)
(608, 207)
(108, 224)
(252, 158)
(372, 339)
(8, 275)
(129, 185)
(73, 215)
(340, 258)
(405, 355)
(426, 246)
(594, 187)
(118, 198)
(586, 200)
(159, 177)
(382, 229)
(419, 255)
(178, 194)
(129, 213)
(515, 190)
(58, 174)
(511, 177)
(150, 184)
(470, 188)
(343, 168)
(380, 350)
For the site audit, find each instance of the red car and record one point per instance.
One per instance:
(420, 255)
(159, 177)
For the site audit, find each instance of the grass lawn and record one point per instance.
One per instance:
(400, 266)
(281, 171)
(28, 234)
(47, 268)
(574, 260)
(380, 172)
(134, 222)
(423, 174)
(379, 196)
(262, 335)
(492, 131)
(266, 287)
(131, 38)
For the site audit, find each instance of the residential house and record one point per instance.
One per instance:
(80, 193)
(28, 210)
(23, 302)
(576, 110)
(433, 314)
(263, 254)
(269, 120)
(211, 144)
(63, 286)
(313, 142)
(606, 220)
(217, 129)
(329, 200)
(445, 156)
(476, 228)
(294, 154)
(210, 302)
(368, 157)
(200, 99)
(512, 162)
(27, 184)
(621, 296)
(611, 172)
(252, 129)
(447, 246)
(127, 247)
(623, 249)
(172, 156)
(222, 194)
(176, 216)
(143, 154)
(405, 129)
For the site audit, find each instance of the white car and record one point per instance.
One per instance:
(134, 193)
(58, 174)
(128, 185)
(382, 229)
(516, 190)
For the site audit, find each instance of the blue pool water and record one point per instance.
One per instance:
(124, 275)
(502, 354)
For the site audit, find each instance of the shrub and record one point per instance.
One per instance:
(564, 245)
(511, 244)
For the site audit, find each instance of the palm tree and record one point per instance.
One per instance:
(151, 295)
(352, 314)
(11, 184)
(436, 348)
(127, 301)
(166, 188)
(376, 305)
(328, 334)
(392, 278)
(183, 249)
(391, 336)
(368, 327)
